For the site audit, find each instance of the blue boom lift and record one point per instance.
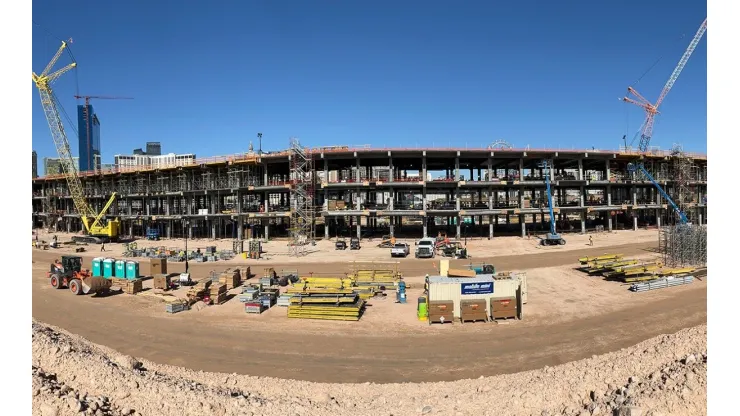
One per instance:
(552, 238)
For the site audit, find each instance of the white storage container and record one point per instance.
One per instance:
(456, 289)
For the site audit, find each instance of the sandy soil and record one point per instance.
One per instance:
(565, 307)
(278, 250)
(663, 375)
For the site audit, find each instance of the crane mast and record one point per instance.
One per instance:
(90, 219)
(651, 110)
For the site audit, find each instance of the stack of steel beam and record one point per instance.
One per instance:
(662, 283)
(323, 305)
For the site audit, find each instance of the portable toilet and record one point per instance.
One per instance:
(120, 271)
(108, 268)
(132, 269)
(97, 267)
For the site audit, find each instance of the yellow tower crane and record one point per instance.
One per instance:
(97, 228)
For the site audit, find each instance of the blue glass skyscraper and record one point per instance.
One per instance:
(88, 127)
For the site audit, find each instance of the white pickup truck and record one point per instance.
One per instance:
(400, 250)
(425, 248)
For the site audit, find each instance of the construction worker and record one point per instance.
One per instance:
(591, 240)
(102, 246)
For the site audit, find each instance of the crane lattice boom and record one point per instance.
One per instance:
(651, 110)
(43, 83)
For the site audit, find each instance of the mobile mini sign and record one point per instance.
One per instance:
(476, 288)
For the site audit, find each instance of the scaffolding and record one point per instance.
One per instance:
(301, 199)
(683, 245)
(682, 175)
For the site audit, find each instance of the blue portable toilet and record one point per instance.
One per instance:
(108, 268)
(132, 270)
(97, 267)
(120, 271)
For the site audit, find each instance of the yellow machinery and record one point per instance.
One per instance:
(97, 227)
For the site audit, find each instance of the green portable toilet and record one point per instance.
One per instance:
(132, 269)
(108, 268)
(120, 271)
(97, 267)
(422, 310)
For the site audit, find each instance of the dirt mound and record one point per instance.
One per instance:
(661, 376)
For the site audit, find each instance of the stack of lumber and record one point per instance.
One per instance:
(218, 293)
(199, 291)
(231, 278)
(131, 287)
(326, 305)
(176, 305)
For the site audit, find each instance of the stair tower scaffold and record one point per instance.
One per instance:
(301, 199)
(651, 110)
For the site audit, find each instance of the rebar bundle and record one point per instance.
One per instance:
(684, 245)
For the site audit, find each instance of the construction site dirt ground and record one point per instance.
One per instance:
(324, 251)
(569, 316)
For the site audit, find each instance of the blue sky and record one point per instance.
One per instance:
(207, 77)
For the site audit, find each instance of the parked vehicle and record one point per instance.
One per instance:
(354, 243)
(425, 248)
(400, 250)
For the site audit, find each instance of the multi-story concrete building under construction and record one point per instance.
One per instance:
(403, 192)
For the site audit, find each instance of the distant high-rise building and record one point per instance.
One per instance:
(153, 148)
(139, 152)
(88, 127)
(53, 165)
(34, 164)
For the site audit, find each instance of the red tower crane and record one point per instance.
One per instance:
(86, 115)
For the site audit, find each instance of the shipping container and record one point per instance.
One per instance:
(482, 287)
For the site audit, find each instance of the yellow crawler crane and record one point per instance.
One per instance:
(97, 227)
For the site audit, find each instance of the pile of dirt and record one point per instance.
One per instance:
(661, 376)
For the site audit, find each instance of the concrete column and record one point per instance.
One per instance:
(128, 206)
(130, 228)
(424, 167)
(552, 171)
(634, 195)
(356, 196)
(457, 227)
(457, 167)
(265, 175)
(266, 201)
(700, 218)
(168, 229)
(267, 229)
(326, 228)
(634, 222)
(580, 169)
(489, 175)
(471, 175)
(583, 222)
(457, 199)
(490, 198)
(609, 195)
(609, 219)
(523, 224)
(424, 227)
(392, 226)
(359, 231)
(391, 203)
(490, 226)
(213, 228)
(607, 175)
(583, 196)
(521, 168)
(657, 217)
(391, 174)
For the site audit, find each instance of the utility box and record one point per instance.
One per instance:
(157, 266)
(97, 267)
(120, 270)
(473, 310)
(132, 269)
(441, 311)
(108, 268)
(504, 308)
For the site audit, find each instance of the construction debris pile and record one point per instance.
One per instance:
(684, 245)
(643, 274)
